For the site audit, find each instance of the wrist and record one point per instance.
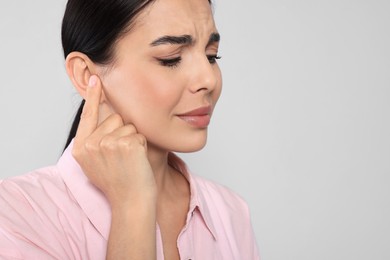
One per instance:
(139, 201)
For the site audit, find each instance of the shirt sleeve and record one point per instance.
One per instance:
(249, 237)
(27, 229)
(14, 247)
(40, 219)
(7, 247)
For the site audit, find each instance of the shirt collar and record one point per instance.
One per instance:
(97, 208)
(198, 199)
(91, 200)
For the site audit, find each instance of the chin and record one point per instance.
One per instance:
(190, 149)
(180, 142)
(190, 144)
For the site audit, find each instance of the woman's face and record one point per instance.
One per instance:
(164, 69)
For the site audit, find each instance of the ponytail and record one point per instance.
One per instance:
(75, 124)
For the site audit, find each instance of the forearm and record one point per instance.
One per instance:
(133, 231)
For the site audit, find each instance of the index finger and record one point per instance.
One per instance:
(90, 115)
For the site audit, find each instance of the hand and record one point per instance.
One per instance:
(112, 154)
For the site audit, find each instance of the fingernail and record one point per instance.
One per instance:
(92, 81)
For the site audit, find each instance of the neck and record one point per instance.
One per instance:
(163, 172)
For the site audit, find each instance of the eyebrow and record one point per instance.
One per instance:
(182, 40)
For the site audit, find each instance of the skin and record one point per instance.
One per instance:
(130, 123)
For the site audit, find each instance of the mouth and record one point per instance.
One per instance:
(199, 117)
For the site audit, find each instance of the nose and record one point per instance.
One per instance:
(206, 76)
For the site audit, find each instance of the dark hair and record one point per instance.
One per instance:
(93, 27)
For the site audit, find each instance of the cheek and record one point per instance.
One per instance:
(157, 93)
(142, 95)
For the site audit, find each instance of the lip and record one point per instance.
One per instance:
(206, 110)
(199, 117)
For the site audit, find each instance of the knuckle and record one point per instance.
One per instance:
(131, 128)
(126, 142)
(116, 119)
(90, 147)
(141, 139)
(108, 143)
(129, 143)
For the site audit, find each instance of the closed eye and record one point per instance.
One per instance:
(170, 62)
(174, 62)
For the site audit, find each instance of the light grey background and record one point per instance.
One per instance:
(301, 130)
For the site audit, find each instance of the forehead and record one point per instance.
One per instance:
(176, 17)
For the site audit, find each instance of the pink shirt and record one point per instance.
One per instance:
(56, 213)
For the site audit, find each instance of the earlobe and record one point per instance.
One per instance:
(79, 68)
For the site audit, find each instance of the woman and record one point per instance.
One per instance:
(148, 74)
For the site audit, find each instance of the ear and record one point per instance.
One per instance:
(80, 68)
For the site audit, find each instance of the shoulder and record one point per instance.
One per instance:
(221, 197)
(35, 179)
(230, 218)
(35, 208)
(30, 184)
(41, 187)
(34, 199)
